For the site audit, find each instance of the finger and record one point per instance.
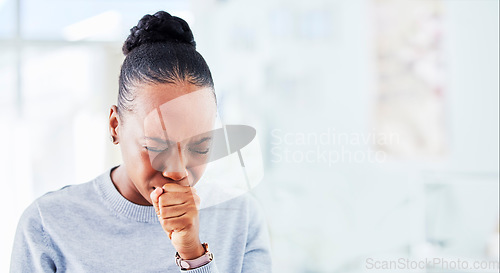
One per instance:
(174, 198)
(197, 201)
(155, 194)
(174, 187)
(193, 190)
(178, 223)
(196, 198)
(176, 211)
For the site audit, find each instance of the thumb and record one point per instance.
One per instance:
(154, 199)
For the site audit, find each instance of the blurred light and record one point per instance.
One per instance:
(99, 26)
(187, 15)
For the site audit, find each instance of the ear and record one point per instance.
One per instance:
(114, 123)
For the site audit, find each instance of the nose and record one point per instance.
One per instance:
(175, 168)
(175, 175)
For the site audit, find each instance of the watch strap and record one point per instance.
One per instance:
(197, 262)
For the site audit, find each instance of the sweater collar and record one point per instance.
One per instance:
(119, 204)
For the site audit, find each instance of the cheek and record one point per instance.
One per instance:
(196, 172)
(133, 155)
(138, 163)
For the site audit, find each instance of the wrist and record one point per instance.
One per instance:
(192, 253)
(204, 259)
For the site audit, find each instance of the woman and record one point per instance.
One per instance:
(143, 215)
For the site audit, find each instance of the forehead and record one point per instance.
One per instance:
(175, 112)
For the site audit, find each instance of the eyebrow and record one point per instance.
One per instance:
(159, 140)
(171, 142)
(201, 140)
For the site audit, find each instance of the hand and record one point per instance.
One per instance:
(177, 209)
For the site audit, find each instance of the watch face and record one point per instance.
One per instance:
(185, 265)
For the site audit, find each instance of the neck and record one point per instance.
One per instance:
(126, 187)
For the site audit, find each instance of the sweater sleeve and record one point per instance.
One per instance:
(211, 267)
(258, 254)
(32, 251)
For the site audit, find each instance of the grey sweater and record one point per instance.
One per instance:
(91, 227)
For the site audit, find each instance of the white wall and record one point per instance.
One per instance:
(325, 218)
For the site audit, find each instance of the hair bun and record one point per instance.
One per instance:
(160, 27)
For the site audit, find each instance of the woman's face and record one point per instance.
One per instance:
(167, 136)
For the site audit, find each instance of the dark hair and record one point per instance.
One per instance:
(160, 49)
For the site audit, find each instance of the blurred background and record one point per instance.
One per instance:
(378, 119)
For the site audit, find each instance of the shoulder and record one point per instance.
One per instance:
(69, 198)
(31, 216)
(67, 195)
(55, 210)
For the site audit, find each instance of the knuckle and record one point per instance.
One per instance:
(165, 222)
(188, 225)
(164, 213)
(193, 208)
(162, 199)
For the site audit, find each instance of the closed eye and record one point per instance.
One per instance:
(200, 151)
(155, 149)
